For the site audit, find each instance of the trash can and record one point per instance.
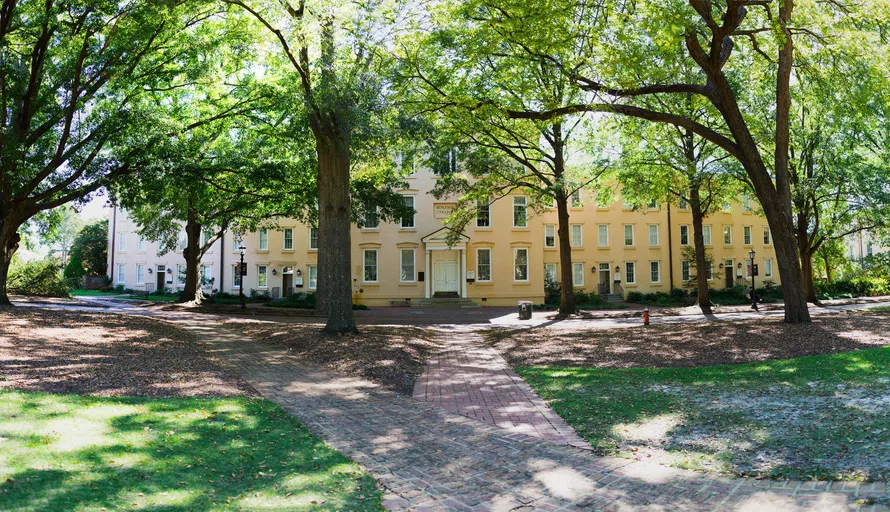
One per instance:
(525, 310)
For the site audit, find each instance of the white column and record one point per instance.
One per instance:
(429, 276)
(463, 273)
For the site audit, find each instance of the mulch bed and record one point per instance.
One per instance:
(692, 344)
(390, 356)
(106, 355)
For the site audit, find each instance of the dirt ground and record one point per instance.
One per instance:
(692, 344)
(107, 355)
(392, 356)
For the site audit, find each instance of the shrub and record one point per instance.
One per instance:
(856, 287)
(75, 269)
(359, 306)
(635, 297)
(42, 278)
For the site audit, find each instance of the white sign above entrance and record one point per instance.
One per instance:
(443, 210)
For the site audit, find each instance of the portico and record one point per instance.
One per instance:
(446, 265)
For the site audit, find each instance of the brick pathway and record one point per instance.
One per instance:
(431, 459)
(473, 380)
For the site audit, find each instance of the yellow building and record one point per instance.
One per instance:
(503, 255)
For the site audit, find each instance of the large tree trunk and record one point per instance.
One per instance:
(698, 236)
(567, 290)
(788, 259)
(334, 241)
(805, 250)
(192, 254)
(9, 243)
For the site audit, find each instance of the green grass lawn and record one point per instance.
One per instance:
(812, 417)
(79, 292)
(77, 453)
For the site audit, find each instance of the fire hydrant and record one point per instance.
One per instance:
(646, 316)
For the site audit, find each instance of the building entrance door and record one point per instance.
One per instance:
(605, 287)
(445, 273)
(161, 276)
(729, 269)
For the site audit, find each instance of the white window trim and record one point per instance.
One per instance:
(572, 196)
(513, 212)
(402, 264)
(688, 238)
(688, 270)
(236, 273)
(527, 264)
(575, 284)
(769, 233)
(413, 225)
(376, 227)
(768, 269)
(554, 236)
(309, 277)
(659, 272)
(657, 236)
(284, 239)
(121, 273)
(750, 235)
(580, 235)
(627, 279)
(121, 241)
(555, 271)
(140, 243)
(140, 279)
(309, 242)
(258, 285)
(490, 265)
(259, 240)
(633, 236)
(730, 236)
(598, 229)
(376, 265)
(707, 235)
(710, 271)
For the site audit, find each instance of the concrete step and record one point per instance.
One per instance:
(613, 297)
(445, 303)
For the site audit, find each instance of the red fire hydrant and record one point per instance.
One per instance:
(646, 316)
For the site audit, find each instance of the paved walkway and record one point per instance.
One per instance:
(431, 459)
(473, 380)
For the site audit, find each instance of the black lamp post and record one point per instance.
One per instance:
(753, 288)
(241, 277)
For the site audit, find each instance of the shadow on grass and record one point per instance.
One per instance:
(809, 417)
(69, 452)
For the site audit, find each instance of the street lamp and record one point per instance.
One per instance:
(753, 288)
(241, 277)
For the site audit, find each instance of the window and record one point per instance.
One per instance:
(121, 241)
(313, 277)
(207, 235)
(140, 243)
(655, 271)
(576, 199)
(520, 211)
(550, 273)
(768, 267)
(262, 280)
(263, 240)
(549, 235)
(408, 221)
(653, 204)
(684, 270)
(767, 236)
(313, 239)
(236, 276)
(407, 262)
(288, 239)
(626, 204)
(869, 250)
(653, 234)
(602, 235)
(520, 264)
(709, 273)
(727, 235)
(684, 234)
(746, 203)
(483, 213)
(628, 235)
(120, 273)
(447, 164)
(577, 240)
(602, 201)
(206, 276)
(727, 207)
(483, 265)
(180, 274)
(706, 234)
(684, 204)
(630, 272)
(236, 244)
(746, 234)
(578, 274)
(140, 274)
(371, 219)
(369, 266)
